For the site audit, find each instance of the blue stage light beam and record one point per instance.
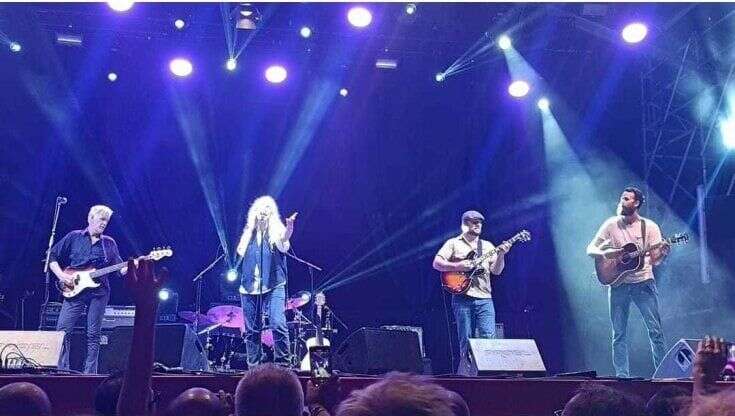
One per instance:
(189, 118)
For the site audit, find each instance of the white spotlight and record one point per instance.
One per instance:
(231, 64)
(305, 32)
(634, 32)
(276, 74)
(343, 92)
(15, 47)
(181, 67)
(411, 8)
(543, 104)
(112, 76)
(231, 275)
(518, 88)
(120, 5)
(359, 17)
(504, 42)
(439, 77)
(727, 130)
(179, 24)
(164, 294)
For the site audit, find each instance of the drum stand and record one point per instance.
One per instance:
(298, 341)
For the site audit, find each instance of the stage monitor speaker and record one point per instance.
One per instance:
(506, 356)
(176, 346)
(678, 361)
(378, 351)
(30, 348)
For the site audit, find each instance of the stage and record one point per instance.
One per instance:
(73, 394)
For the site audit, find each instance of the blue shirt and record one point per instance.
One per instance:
(77, 251)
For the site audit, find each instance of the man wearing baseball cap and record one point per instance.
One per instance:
(473, 310)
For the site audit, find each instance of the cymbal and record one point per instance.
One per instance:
(191, 316)
(298, 300)
(227, 316)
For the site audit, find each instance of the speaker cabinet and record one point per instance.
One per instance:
(378, 351)
(677, 362)
(506, 356)
(176, 346)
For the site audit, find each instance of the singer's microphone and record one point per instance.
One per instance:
(61, 200)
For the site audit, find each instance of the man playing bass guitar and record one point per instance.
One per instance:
(638, 286)
(473, 310)
(80, 248)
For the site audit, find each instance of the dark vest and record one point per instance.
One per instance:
(270, 261)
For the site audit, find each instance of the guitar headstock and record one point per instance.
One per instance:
(523, 236)
(160, 252)
(678, 238)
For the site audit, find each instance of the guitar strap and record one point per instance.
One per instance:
(643, 234)
(479, 246)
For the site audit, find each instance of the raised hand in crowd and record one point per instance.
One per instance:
(322, 397)
(709, 361)
(143, 283)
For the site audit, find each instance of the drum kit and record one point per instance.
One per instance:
(221, 330)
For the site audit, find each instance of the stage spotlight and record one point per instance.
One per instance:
(504, 42)
(439, 77)
(727, 130)
(518, 89)
(231, 64)
(276, 74)
(164, 294)
(634, 32)
(120, 5)
(247, 16)
(386, 63)
(343, 92)
(231, 275)
(15, 47)
(181, 67)
(543, 104)
(179, 24)
(112, 76)
(359, 17)
(305, 32)
(411, 8)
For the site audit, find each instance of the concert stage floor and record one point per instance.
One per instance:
(73, 394)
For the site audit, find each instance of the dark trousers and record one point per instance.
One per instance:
(253, 306)
(96, 301)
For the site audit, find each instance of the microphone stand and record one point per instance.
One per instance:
(51, 239)
(198, 280)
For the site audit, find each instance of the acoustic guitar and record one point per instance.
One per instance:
(611, 271)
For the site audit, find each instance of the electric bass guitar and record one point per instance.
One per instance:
(88, 277)
(457, 283)
(611, 271)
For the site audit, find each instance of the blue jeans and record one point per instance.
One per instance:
(475, 319)
(273, 302)
(645, 297)
(71, 310)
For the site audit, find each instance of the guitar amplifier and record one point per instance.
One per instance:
(50, 316)
(415, 329)
(118, 315)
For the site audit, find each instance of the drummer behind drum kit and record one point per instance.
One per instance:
(222, 326)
